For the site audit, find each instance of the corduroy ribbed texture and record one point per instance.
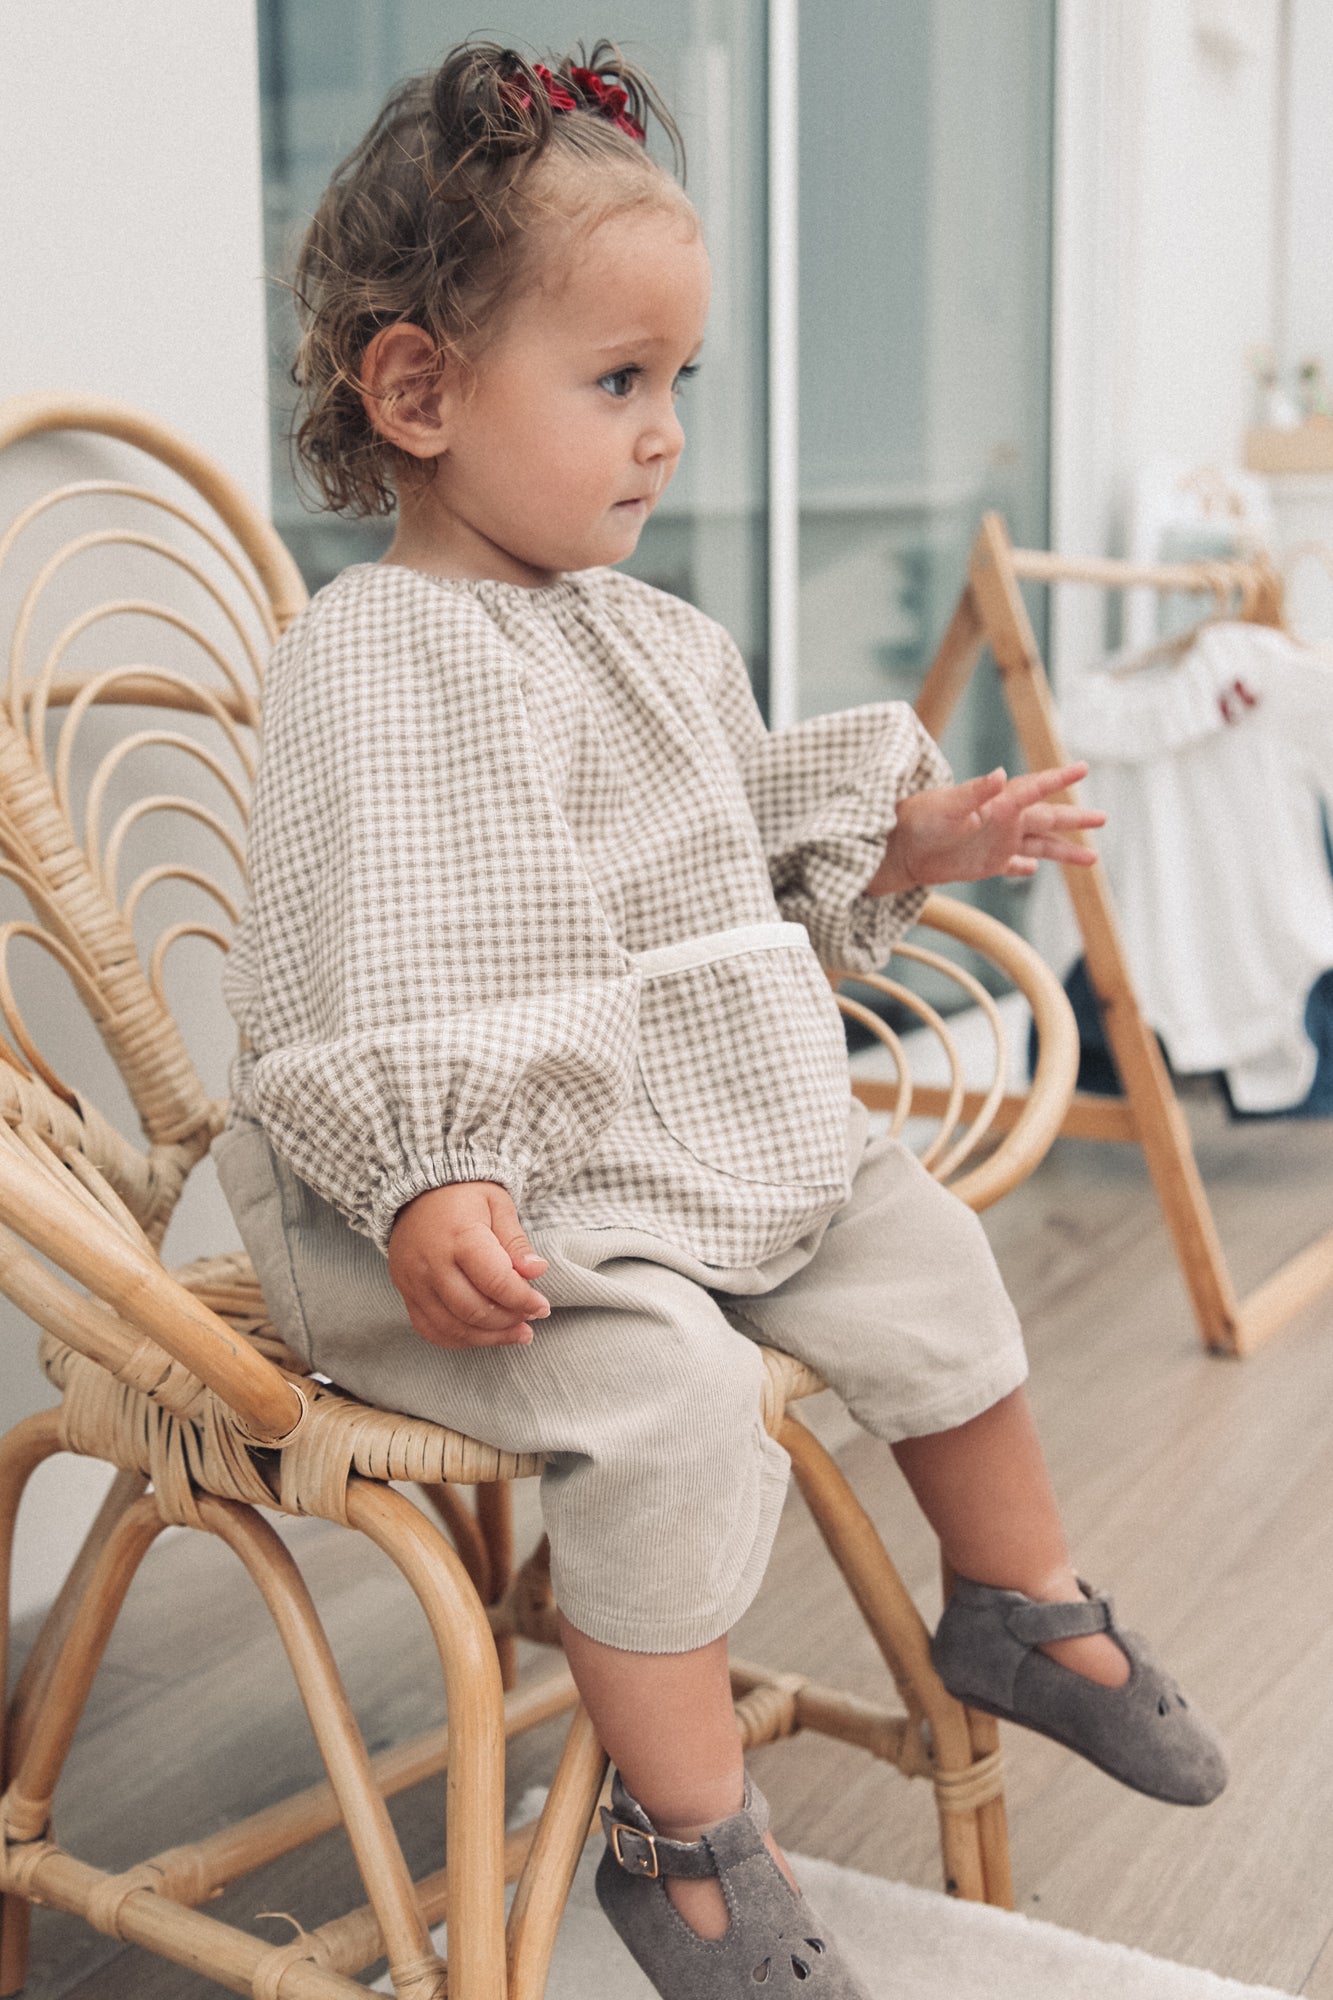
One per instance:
(643, 1389)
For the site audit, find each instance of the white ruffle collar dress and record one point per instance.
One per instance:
(1215, 773)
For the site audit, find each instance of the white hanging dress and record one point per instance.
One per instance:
(1214, 773)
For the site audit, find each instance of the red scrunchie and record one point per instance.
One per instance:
(609, 101)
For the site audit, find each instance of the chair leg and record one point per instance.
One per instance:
(25, 1447)
(476, 1767)
(22, 1450)
(991, 1823)
(413, 1964)
(975, 1867)
(475, 1794)
(544, 1885)
(124, 1490)
(992, 1820)
(495, 1516)
(464, 1532)
(56, 1702)
(484, 1538)
(50, 1729)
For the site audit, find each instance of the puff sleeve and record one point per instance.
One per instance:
(426, 979)
(825, 797)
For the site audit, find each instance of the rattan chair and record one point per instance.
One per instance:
(176, 1379)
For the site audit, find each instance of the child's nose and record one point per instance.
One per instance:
(665, 438)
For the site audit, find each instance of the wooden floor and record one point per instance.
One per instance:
(1199, 1490)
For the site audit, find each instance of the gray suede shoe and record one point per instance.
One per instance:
(774, 1944)
(1144, 1733)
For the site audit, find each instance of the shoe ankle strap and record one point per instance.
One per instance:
(1036, 1624)
(641, 1850)
(652, 1854)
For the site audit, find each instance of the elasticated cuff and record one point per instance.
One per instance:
(466, 1163)
(875, 924)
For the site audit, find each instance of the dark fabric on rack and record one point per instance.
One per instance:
(1097, 1072)
(1319, 1027)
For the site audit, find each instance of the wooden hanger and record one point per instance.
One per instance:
(1256, 603)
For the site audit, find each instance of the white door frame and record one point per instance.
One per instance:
(784, 472)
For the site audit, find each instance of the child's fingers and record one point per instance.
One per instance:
(520, 1252)
(1055, 778)
(1034, 786)
(509, 1233)
(481, 1259)
(1076, 853)
(452, 1293)
(1040, 820)
(433, 1321)
(1068, 816)
(1060, 814)
(975, 794)
(462, 1314)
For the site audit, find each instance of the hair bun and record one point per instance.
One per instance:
(487, 100)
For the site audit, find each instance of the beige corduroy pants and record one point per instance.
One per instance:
(662, 1490)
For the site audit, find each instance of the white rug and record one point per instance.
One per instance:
(907, 1944)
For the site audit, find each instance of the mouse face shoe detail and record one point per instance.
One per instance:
(1145, 1733)
(774, 1944)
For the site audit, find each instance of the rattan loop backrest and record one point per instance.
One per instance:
(231, 587)
(71, 1186)
(958, 1139)
(279, 578)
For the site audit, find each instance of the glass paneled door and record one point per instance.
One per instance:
(924, 305)
(326, 66)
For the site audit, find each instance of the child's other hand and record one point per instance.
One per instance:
(460, 1259)
(990, 826)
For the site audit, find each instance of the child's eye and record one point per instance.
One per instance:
(620, 382)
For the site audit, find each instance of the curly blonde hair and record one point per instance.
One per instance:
(432, 220)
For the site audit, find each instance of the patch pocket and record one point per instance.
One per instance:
(743, 1056)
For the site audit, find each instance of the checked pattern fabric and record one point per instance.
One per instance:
(484, 818)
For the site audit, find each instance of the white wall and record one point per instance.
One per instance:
(130, 238)
(1167, 271)
(1305, 307)
(130, 230)
(1202, 229)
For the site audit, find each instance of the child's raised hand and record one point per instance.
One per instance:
(993, 825)
(460, 1259)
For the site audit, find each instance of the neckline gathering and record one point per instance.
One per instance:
(565, 586)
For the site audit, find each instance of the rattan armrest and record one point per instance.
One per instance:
(87, 1244)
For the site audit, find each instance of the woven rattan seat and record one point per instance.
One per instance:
(177, 1379)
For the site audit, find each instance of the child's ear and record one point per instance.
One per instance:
(405, 390)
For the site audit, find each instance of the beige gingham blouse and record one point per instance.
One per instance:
(533, 896)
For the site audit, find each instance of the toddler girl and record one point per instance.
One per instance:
(538, 915)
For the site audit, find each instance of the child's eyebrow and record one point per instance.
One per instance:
(639, 338)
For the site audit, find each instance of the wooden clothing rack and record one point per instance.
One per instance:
(991, 612)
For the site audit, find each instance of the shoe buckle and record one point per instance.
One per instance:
(642, 1857)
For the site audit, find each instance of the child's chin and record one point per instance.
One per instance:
(624, 538)
(612, 543)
